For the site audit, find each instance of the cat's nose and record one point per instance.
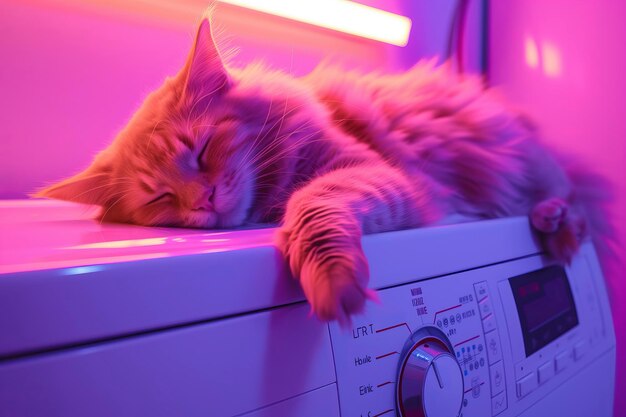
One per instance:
(205, 200)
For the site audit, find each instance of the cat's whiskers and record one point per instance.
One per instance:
(272, 173)
(210, 93)
(120, 181)
(111, 206)
(270, 148)
(202, 97)
(286, 150)
(254, 142)
(281, 120)
(290, 146)
(160, 218)
(278, 141)
(200, 115)
(350, 119)
(149, 142)
(195, 126)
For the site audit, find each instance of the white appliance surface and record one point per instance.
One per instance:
(117, 320)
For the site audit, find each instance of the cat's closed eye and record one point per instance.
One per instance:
(201, 154)
(160, 198)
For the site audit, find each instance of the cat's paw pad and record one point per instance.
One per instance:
(337, 289)
(548, 215)
(560, 230)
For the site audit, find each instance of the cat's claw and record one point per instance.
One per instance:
(373, 296)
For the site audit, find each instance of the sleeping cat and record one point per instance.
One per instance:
(331, 156)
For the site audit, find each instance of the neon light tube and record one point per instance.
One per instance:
(341, 15)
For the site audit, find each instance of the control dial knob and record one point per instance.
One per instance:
(430, 381)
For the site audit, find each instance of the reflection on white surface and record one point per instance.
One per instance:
(134, 243)
(115, 244)
(79, 270)
(63, 235)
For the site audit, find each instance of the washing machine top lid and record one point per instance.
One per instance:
(67, 280)
(44, 234)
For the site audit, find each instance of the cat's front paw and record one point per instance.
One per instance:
(324, 253)
(559, 229)
(337, 287)
(548, 215)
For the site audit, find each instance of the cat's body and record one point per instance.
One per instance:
(330, 156)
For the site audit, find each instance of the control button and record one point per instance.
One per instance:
(563, 360)
(429, 371)
(476, 387)
(496, 373)
(579, 349)
(481, 289)
(498, 403)
(545, 371)
(485, 307)
(489, 324)
(493, 347)
(526, 385)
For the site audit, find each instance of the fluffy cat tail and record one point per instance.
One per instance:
(592, 194)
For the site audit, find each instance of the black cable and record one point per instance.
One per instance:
(484, 57)
(457, 27)
(451, 32)
(460, 35)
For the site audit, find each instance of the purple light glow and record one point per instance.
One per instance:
(564, 62)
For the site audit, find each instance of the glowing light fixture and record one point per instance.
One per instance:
(341, 15)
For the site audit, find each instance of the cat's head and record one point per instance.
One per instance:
(188, 157)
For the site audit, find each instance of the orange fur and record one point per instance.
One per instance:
(330, 156)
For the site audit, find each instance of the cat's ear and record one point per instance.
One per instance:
(205, 70)
(92, 186)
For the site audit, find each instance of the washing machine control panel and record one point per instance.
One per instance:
(429, 381)
(373, 359)
(443, 347)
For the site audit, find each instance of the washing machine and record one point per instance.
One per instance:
(117, 320)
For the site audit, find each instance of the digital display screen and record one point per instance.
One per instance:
(545, 306)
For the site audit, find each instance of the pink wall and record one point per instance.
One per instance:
(564, 61)
(73, 71)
